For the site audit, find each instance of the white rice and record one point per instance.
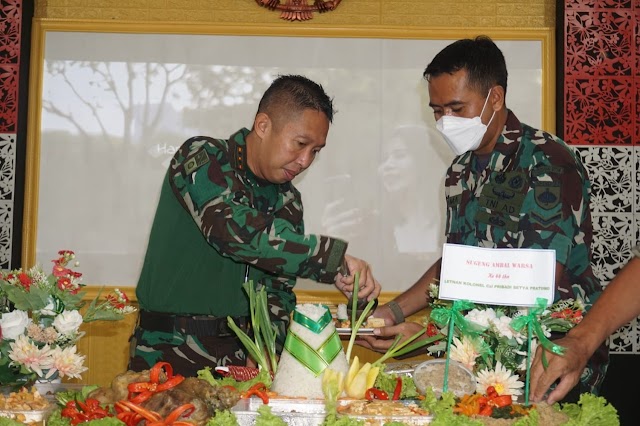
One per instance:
(341, 314)
(293, 379)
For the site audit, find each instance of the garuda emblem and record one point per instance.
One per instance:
(299, 10)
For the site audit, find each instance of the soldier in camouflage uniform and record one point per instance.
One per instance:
(228, 212)
(618, 304)
(510, 186)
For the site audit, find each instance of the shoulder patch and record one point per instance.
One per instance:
(196, 161)
(547, 194)
(545, 170)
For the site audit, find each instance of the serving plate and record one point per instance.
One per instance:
(301, 412)
(28, 416)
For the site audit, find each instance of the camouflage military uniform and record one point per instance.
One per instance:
(214, 218)
(533, 193)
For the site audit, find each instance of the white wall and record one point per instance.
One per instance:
(116, 106)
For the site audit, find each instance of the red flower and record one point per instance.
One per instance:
(113, 301)
(65, 253)
(64, 283)
(61, 271)
(432, 330)
(569, 315)
(25, 280)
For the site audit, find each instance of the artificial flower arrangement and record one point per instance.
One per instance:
(494, 342)
(40, 321)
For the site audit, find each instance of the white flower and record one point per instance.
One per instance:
(67, 362)
(433, 291)
(25, 353)
(482, 317)
(523, 363)
(501, 379)
(13, 324)
(502, 326)
(68, 322)
(464, 351)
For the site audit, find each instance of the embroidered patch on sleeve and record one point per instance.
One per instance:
(545, 221)
(198, 160)
(498, 220)
(547, 194)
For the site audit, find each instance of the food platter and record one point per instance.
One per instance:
(306, 412)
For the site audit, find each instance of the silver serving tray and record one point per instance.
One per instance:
(299, 412)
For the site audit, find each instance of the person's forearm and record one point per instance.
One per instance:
(415, 298)
(618, 304)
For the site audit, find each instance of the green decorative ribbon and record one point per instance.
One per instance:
(453, 316)
(313, 325)
(315, 360)
(533, 326)
(444, 315)
(531, 320)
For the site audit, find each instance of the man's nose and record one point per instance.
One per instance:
(305, 159)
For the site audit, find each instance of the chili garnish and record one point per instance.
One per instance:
(482, 405)
(398, 390)
(145, 390)
(375, 393)
(80, 412)
(131, 414)
(260, 390)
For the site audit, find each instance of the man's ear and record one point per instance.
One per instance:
(262, 124)
(496, 99)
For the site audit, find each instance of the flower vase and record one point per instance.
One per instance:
(48, 387)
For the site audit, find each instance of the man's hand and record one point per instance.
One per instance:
(568, 368)
(384, 336)
(369, 287)
(385, 312)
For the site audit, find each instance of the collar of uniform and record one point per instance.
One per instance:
(238, 153)
(506, 145)
(238, 150)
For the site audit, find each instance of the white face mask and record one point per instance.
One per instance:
(463, 134)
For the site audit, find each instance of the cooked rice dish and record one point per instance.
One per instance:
(293, 379)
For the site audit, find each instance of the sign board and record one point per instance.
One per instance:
(513, 277)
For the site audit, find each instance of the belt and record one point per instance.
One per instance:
(198, 325)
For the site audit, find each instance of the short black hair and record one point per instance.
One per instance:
(295, 93)
(480, 57)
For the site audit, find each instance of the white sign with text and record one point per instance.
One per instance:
(513, 277)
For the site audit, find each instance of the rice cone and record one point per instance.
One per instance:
(312, 346)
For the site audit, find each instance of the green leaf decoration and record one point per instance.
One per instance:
(32, 300)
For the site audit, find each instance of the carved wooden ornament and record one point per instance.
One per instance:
(299, 10)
